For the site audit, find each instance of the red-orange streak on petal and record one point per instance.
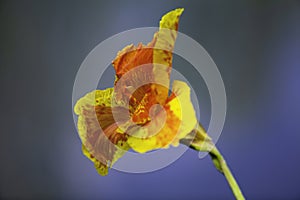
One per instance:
(170, 129)
(100, 142)
(131, 57)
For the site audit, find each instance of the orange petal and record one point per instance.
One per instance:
(181, 105)
(158, 55)
(160, 132)
(131, 57)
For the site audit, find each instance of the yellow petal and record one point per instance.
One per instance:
(102, 141)
(183, 108)
(162, 53)
(86, 105)
(170, 20)
(143, 145)
(100, 167)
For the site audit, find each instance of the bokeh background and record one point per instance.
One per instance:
(256, 46)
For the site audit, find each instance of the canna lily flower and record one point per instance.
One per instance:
(153, 119)
(139, 112)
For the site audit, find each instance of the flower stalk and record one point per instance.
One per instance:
(200, 141)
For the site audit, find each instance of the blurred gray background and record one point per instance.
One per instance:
(255, 44)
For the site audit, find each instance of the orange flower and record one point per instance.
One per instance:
(138, 113)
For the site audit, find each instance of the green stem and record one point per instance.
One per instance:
(215, 154)
(200, 141)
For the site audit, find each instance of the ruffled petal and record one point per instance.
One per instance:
(133, 56)
(130, 71)
(160, 132)
(173, 123)
(103, 142)
(163, 43)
